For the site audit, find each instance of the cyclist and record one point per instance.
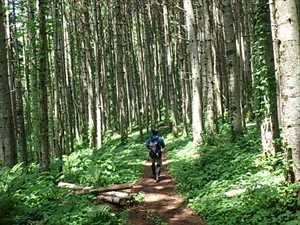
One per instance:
(155, 145)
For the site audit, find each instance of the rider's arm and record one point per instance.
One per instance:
(162, 142)
(147, 143)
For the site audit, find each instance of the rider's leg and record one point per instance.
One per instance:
(153, 167)
(159, 164)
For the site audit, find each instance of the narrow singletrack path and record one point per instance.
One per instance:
(162, 205)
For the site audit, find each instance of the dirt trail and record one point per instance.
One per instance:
(162, 204)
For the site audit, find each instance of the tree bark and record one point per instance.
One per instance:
(288, 72)
(8, 154)
(196, 84)
(232, 69)
(43, 84)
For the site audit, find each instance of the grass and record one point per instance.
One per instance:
(204, 175)
(29, 197)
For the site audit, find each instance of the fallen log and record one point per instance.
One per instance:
(111, 194)
(116, 197)
(116, 187)
(89, 190)
(72, 186)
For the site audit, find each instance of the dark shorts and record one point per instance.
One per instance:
(157, 160)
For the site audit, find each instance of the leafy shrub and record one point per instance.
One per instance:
(31, 197)
(8, 208)
(115, 163)
(204, 175)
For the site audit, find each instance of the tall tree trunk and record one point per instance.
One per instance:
(232, 69)
(196, 84)
(20, 123)
(16, 74)
(288, 72)
(43, 81)
(264, 78)
(8, 154)
(168, 65)
(210, 108)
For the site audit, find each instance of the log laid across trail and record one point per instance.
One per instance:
(111, 194)
(91, 190)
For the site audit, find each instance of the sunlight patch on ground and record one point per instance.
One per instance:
(187, 152)
(184, 147)
(261, 179)
(159, 187)
(156, 197)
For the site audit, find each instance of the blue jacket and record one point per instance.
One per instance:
(157, 138)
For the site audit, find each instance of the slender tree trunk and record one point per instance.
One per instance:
(169, 68)
(20, 123)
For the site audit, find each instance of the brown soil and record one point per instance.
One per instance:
(161, 204)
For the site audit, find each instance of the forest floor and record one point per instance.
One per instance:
(161, 206)
(202, 177)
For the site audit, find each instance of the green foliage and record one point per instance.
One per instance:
(295, 221)
(139, 197)
(115, 163)
(29, 197)
(264, 75)
(8, 206)
(205, 175)
(154, 219)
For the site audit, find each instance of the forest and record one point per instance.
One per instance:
(83, 83)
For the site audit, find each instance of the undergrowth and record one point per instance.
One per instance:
(204, 177)
(207, 174)
(29, 197)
